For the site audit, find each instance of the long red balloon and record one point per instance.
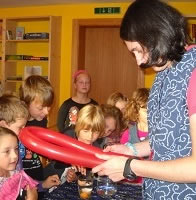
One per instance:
(60, 147)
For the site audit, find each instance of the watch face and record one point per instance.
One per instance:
(130, 176)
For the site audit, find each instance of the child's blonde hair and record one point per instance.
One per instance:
(116, 97)
(37, 86)
(90, 117)
(138, 100)
(12, 108)
(5, 131)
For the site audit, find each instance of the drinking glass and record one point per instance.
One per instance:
(85, 186)
(106, 188)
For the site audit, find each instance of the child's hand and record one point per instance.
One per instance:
(31, 193)
(51, 181)
(71, 175)
(80, 169)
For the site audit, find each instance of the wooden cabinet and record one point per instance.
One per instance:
(21, 54)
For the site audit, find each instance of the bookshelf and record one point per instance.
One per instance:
(19, 53)
(192, 28)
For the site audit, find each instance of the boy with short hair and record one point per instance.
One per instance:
(38, 94)
(14, 115)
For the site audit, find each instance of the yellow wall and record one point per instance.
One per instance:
(82, 11)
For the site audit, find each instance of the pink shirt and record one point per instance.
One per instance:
(126, 136)
(142, 135)
(191, 94)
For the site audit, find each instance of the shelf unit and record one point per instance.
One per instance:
(192, 21)
(12, 71)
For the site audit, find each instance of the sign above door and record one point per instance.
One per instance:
(107, 10)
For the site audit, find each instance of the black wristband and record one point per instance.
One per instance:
(128, 173)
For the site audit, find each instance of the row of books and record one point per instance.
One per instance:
(25, 57)
(19, 78)
(21, 35)
(28, 71)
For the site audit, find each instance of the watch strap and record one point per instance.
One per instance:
(128, 173)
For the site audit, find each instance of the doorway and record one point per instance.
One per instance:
(98, 48)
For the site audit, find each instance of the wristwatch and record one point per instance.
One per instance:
(128, 173)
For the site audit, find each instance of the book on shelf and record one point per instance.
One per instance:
(14, 78)
(25, 57)
(32, 70)
(35, 58)
(14, 57)
(9, 35)
(32, 36)
(20, 33)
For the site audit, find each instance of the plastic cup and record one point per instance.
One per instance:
(85, 186)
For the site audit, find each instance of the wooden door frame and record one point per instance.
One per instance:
(78, 41)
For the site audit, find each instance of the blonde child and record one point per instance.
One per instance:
(13, 115)
(136, 113)
(118, 100)
(9, 171)
(90, 126)
(68, 111)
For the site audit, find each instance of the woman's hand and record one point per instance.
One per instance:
(51, 181)
(113, 167)
(31, 193)
(143, 149)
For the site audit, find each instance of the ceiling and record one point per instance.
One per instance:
(20, 3)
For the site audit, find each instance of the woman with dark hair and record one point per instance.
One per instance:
(156, 34)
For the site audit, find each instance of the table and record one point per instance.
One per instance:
(69, 191)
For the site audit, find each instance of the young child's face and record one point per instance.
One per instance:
(87, 136)
(8, 152)
(82, 83)
(110, 126)
(37, 111)
(121, 105)
(17, 125)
